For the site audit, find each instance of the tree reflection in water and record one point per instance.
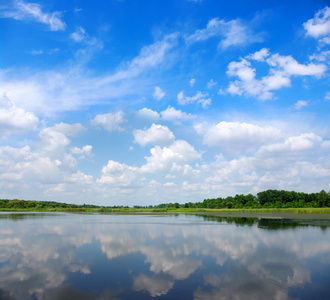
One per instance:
(105, 256)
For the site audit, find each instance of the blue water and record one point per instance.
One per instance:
(107, 256)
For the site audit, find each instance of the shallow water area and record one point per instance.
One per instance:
(148, 256)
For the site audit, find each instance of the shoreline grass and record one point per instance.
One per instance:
(305, 210)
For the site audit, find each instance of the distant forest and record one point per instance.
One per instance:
(266, 199)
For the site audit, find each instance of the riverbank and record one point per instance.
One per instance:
(302, 216)
(295, 213)
(305, 210)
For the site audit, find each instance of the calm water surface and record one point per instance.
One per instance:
(106, 256)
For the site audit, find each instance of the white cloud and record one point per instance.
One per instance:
(78, 35)
(199, 98)
(303, 142)
(153, 55)
(156, 285)
(260, 55)
(120, 175)
(172, 158)
(211, 83)
(232, 33)
(192, 82)
(36, 52)
(158, 93)
(156, 134)
(84, 151)
(90, 45)
(300, 104)
(81, 178)
(291, 67)
(109, 121)
(242, 69)
(319, 26)
(67, 129)
(322, 56)
(48, 172)
(33, 11)
(148, 114)
(212, 29)
(170, 184)
(55, 139)
(171, 114)
(282, 68)
(31, 175)
(235, 33)
(15, 120)
(327, 96)
(299, 163)
(236, 137)
(73, 87)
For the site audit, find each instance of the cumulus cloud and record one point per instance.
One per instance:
(148, 114)
(81, 178)
(260, 55)
(282, 68)
(55, 139)
(158, 93)
(291, 67)
(33, 11)
(109, 121)
(67, 129)
(192, 82)
(294, 163)
(300, 104)
(319, 26)
(232, 33)
(38, 175)
(172, 158)
(236, 137)
(15, 120)
(171, 114)
(199, 98)
(83, 152)
(156, 134)
(303, 142)
(118, 175)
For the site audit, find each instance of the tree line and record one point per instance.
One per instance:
(265, 199)
(41, 205)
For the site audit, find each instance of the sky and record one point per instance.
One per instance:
(138, 102)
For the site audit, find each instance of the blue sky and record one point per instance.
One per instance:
(147, 102)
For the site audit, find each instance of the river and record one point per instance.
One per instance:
(161, 256)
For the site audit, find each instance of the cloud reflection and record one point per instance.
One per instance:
(40, 256)
(156, 285)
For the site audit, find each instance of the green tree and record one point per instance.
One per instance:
(323, 199)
